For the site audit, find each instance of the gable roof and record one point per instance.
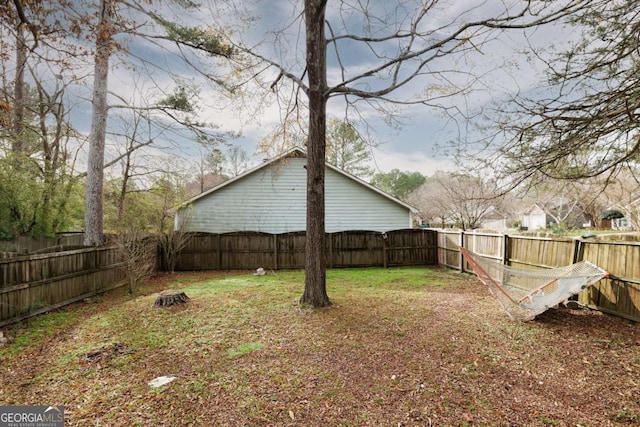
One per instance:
(295, 152)
(534, 209)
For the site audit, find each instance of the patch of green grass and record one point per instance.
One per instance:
(627, 415)
(548, 421)
(518, 331)
(197, 386)
(243, 349)
(35, 331)
(392, 278)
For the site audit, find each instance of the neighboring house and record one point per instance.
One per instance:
(534, 218)
(621, 224)
(625, 215)
(556, 210)
(565, 212)
(271, 198)
(495, 220)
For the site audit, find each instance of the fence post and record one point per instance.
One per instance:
(330, 242)
(578, 250)
(460, 252)
(384, 249)
(219, 244)
(275, 251)
(506, 250)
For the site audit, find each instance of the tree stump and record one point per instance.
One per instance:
(170, 297)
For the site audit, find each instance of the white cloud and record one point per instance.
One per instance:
(413, 161)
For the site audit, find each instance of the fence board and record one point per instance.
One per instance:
(356, 249)
(448, 253)
(26, 244)
(290, 250)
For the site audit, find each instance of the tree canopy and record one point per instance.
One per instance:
(398, 183)
(347, 149)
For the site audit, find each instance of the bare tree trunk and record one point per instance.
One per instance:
(315, 289)
(17, 145)
(93, 234)
(126, 174)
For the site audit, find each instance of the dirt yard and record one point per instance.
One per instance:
(399, 347)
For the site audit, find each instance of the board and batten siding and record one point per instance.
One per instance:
(273, 200)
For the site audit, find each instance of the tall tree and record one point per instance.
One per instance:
(237, 160)
(194, 38)
(315, 290)
(93, 218)
(28, 25)
(39, 130)
(19, 88)
(284, 136)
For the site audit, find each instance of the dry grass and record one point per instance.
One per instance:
(411, 346)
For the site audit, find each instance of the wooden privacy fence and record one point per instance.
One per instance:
(619, 294)
(244, 250)
(33, 284)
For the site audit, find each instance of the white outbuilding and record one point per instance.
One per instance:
(271, 198)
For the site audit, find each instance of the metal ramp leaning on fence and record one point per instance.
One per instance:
(525, 293)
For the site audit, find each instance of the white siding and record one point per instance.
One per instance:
(273, 200)
(352, 206)
(534, 221)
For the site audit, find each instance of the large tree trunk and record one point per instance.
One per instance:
(93, 234)
(315, 289)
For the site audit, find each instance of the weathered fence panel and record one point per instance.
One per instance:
(245, 251)
(33, 284)
(411, 247)
(356, 249)
(449, 242)
(619, 294)
(201, 252)
(291, 250)
(540, 252)
(487, 245)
